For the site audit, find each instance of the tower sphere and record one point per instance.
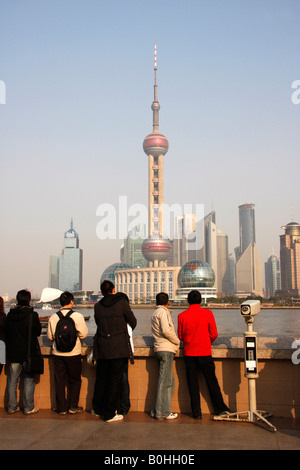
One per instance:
(155, 144)
(196, 273)
(156, 249)
(155, 106)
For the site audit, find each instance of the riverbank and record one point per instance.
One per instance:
(183, 306)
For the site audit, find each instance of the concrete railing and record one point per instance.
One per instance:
(277, 387)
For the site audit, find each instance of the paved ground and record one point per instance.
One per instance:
(138, 431)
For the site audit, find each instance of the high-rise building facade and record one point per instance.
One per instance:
(66, 270)
(290, 259)
(249, 279)
(272, 275)
(54, 272)
(246, 226)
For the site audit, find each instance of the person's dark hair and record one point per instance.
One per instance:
(107, 287)
(194, 297)
(66, 298)
(23, 297)
(162, 298)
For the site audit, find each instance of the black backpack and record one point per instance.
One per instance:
(65, 332)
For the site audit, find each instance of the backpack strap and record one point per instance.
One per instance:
(67, 315)
(59, 314)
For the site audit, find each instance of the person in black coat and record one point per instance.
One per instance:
(17, 332)
(111, 350)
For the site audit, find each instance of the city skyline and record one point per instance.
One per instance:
(77, 110)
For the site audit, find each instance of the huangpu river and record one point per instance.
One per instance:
(269, 322)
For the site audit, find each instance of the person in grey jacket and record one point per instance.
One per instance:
(166, 344)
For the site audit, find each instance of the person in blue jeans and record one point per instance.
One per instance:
(16, 330)
(166, 344)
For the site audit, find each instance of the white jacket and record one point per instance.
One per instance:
(80, 326)
(163, 331)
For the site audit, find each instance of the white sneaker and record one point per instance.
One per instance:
(115, 418)
(172, 416)
(34, 410)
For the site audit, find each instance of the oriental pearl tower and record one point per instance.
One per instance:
(155, 248)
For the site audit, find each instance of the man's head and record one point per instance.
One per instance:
(194, 297)
(107, 287)
(162, 299)
(66, 298)
(23, 297)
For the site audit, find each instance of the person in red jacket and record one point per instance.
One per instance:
(197, 330)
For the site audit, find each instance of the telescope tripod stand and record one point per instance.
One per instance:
(252, 415)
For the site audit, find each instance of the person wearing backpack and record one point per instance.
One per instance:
(66, 329)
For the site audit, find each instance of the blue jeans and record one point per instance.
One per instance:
(12, 385)
(165, 386)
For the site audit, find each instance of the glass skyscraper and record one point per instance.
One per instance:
(248, 264)
(272, 275)
(67, 276)
(247, 226)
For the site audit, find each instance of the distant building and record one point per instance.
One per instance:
(248, 265)
(272, 275)
(196, 275)
(66, 269)
(246, 226)
(290, 260)
(142, 284)
(54, 272)
(132, 252)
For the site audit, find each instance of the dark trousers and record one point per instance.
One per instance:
(67, 372)
(108, 386)
(125, 392)
(207, 366)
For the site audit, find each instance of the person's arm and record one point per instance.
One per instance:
(36, 324)
(212, 328)
(167, 329)
(51, 327)
(81, 326)
(129, 316)
(179, 328)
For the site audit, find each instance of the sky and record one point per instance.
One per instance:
(78, 81)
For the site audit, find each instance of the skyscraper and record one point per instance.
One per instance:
(272, 275)
(290, 259)
(248, 264)
(246, 226)
(54, 272)
(70, 262)
(156, 249)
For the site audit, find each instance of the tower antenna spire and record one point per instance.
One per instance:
(155, 105)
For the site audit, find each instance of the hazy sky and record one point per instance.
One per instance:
(79, 88)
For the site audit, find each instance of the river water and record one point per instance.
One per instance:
(269, 322)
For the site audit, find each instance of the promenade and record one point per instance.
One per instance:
(138, 431)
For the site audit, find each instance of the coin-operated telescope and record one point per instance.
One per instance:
(249, 309)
